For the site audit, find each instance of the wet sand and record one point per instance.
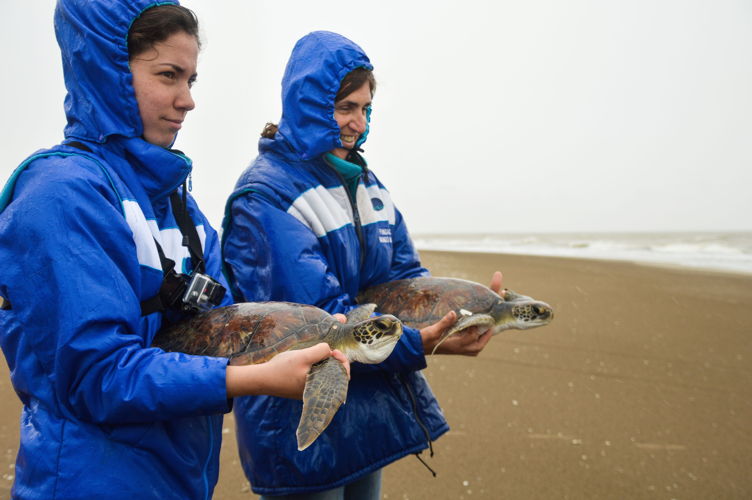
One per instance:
(641, 388)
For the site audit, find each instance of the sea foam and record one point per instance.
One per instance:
(729, 252)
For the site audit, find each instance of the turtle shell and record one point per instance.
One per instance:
(248, 333)
(420, 302)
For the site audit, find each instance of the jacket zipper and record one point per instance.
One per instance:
(356, 215)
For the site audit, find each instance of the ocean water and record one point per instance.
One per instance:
(727, 252)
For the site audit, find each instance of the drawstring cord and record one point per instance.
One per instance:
(422, 426)
(417, 455)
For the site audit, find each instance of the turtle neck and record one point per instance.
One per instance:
(350, 172)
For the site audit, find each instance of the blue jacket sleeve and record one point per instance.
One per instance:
(301, 272)
(80, 341)
(245, 253)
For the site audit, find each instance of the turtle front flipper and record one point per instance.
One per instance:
(325, 391)
(360, 313)
(466, 321)
(512, 296)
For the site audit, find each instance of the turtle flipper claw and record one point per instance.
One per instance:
(325, 391)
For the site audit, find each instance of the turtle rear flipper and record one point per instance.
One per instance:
(325, 391)
(466, 321)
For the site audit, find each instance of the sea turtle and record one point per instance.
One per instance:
(255, 332)
(420, 302)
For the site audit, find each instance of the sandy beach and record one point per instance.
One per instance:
(641, 388)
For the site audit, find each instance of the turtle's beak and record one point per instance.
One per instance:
(533, 314)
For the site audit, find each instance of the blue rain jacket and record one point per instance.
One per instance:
(291, 233)
(104, 414)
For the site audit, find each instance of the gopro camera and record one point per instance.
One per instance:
(202, 293)
(190, 293)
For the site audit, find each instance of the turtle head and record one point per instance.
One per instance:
(372, 340)
(519, 312)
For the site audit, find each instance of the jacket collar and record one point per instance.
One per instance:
(159, 171)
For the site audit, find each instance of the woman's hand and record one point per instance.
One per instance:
(468, 342)
(283, 376)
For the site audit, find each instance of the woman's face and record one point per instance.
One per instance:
(350, 113)
(162, 79)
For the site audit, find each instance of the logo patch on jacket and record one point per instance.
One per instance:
(385, 235)
(377, 204)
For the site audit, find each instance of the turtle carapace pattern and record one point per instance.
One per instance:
(255, 332)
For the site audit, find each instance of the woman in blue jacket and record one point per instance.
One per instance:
(309, 222)
(87, 230)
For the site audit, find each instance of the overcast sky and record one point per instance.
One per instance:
(490, 116)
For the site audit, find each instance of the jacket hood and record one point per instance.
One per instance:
(317, 65)
(93, 39)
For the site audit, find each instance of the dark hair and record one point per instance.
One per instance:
(269, 130)
(353, 81)
(157, 24)
(350, 83)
